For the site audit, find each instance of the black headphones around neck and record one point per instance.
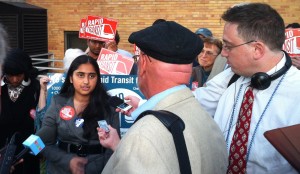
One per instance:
(262, 80)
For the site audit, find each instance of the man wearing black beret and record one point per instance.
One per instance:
(164, 69)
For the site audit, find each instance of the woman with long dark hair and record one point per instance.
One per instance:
(70, 122)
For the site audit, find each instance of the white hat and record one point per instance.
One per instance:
(70, 55)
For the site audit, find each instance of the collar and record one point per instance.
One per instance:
(152, 102)
(24, 83)
(279, 65)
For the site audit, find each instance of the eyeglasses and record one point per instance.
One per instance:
(208, 53)
(136, 58)
(95, 42)
(229, 48)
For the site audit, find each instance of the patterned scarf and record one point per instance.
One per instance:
(14, 92)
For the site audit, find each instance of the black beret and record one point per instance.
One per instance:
(168, 42)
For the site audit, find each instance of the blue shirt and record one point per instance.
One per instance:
(154, 100)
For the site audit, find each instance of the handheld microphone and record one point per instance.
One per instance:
(116, 102)
(32, 144)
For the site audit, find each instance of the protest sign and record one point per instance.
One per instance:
(114, 63)
(98, 28)
(292, 42)
(54, 85)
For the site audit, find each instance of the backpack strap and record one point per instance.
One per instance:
(176, 126)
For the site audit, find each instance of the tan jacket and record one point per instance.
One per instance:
(148, 146)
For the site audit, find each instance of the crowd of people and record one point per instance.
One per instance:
(246, 85)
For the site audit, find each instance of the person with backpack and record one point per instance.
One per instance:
(164, 69)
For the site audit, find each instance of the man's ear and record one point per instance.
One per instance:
(142, 63)
(259, 50)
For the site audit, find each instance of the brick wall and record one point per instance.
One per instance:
(64, 15)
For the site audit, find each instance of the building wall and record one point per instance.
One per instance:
(133, 15)
(12, 0)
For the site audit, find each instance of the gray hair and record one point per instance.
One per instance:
(3, 46)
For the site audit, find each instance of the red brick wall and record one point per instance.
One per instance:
(133, 15)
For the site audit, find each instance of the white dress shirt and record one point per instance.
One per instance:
(223, 103)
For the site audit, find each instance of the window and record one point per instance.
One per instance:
(72, 40)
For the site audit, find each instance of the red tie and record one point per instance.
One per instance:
(238, 147)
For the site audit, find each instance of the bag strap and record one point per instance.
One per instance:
(176, 126)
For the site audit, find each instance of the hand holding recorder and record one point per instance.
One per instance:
(133, 103)
(119, 104)
(108, 136)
